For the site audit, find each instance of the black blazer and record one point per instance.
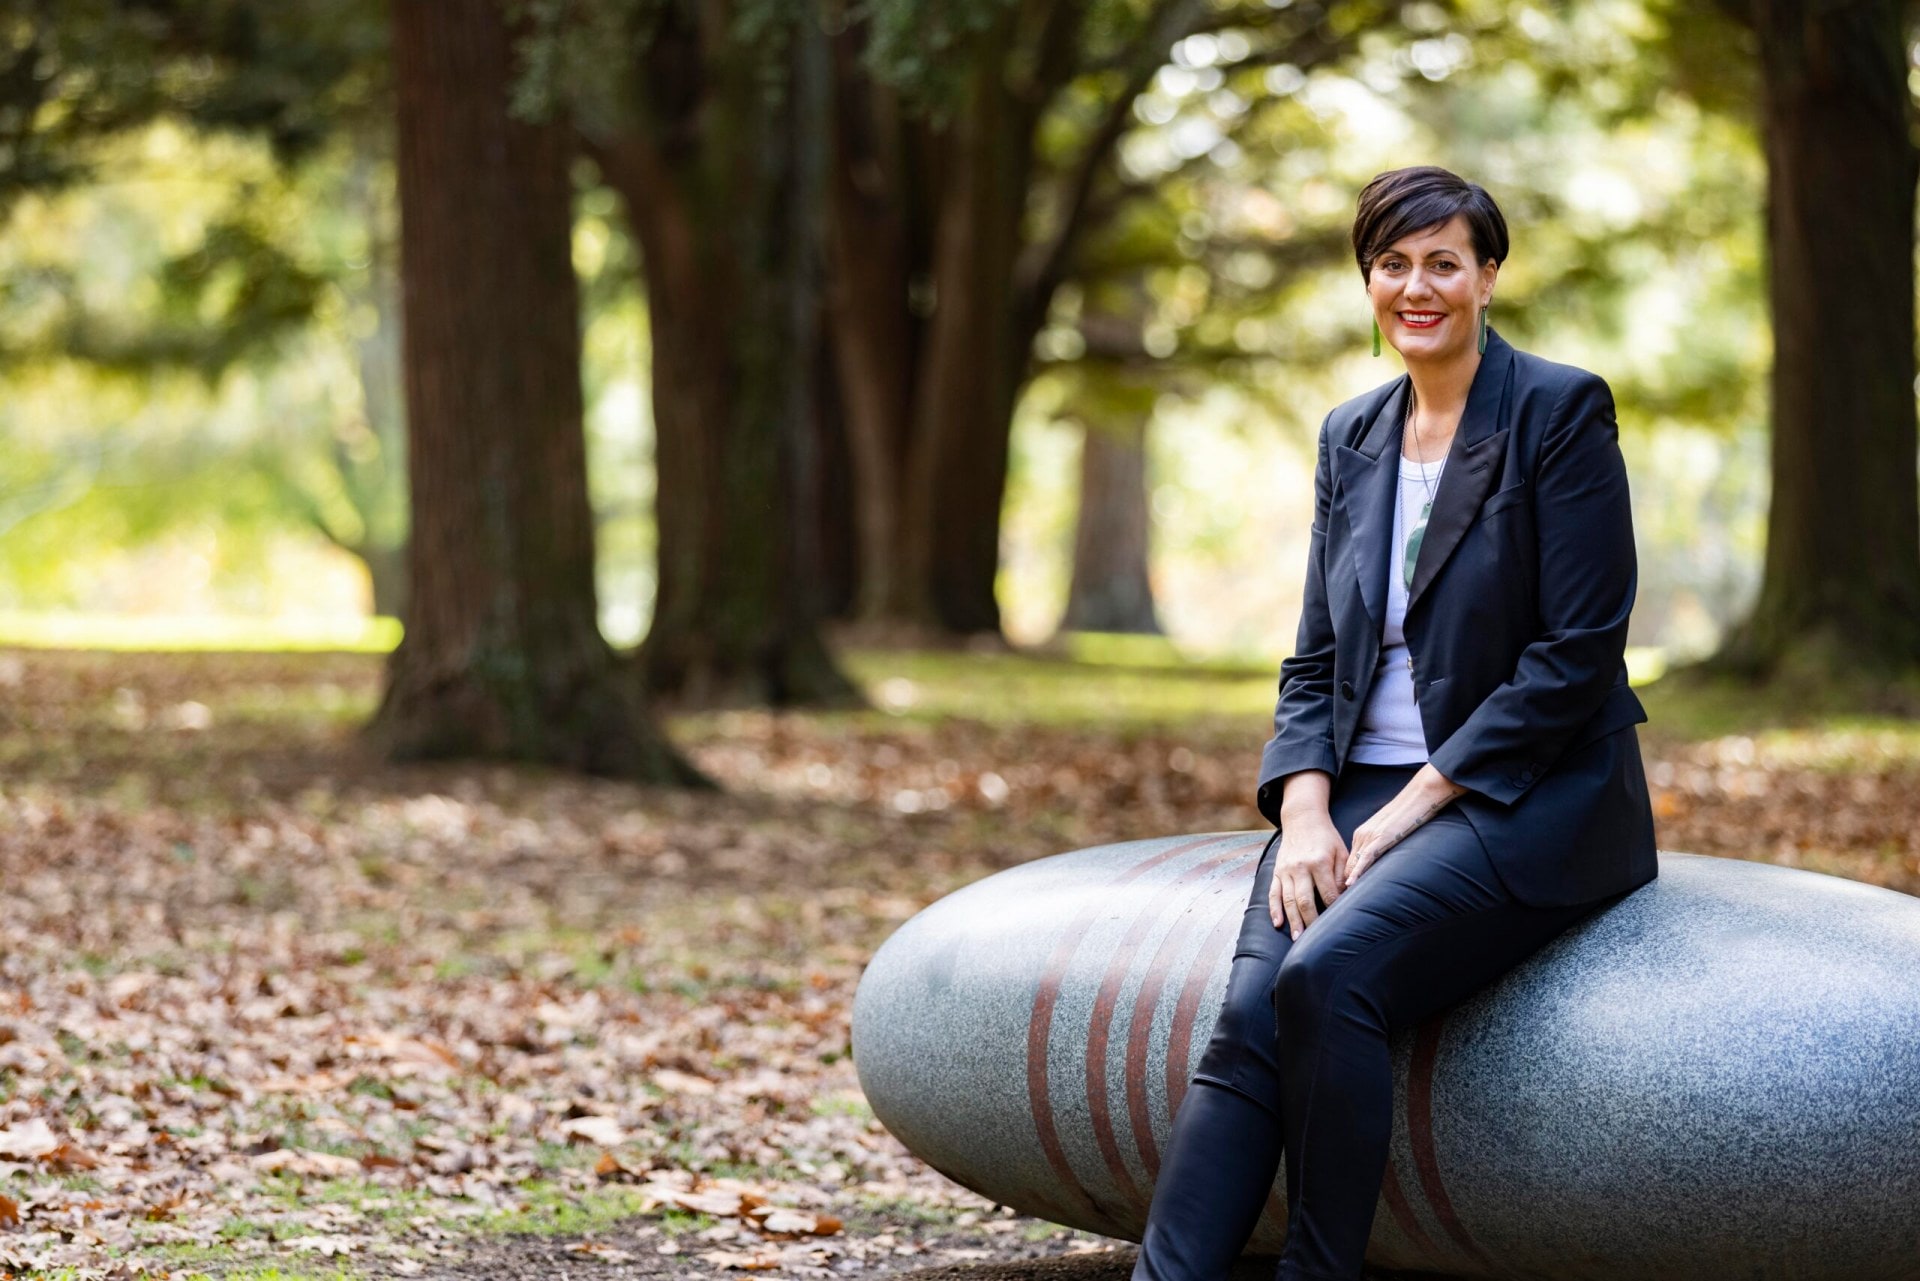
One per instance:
(1517, 622)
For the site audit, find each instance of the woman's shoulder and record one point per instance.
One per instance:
(1550, 397)
(1348, 420)
(1538, 370)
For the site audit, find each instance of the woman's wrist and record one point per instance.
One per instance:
(1305, 796)
(1436, 785)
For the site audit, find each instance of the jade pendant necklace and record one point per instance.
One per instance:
(1419, 530)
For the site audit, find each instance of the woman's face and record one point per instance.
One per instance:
(1427, 291)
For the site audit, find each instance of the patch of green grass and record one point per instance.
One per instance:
(1785, 726)
(230, 1270)
(548, 1209)
(928, 686)
(196, 632)
(840, 1105)
(903, 1212)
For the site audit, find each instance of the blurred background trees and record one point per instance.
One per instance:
(912, 320)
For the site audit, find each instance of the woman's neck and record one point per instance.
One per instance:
(1440, 390)
(1439, 400)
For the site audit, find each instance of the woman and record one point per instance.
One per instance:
(1454, 772)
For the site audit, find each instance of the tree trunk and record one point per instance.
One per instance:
(387, 571)
(1840, 592)
(935, 310)
(723, 186)
(1110, 590)
(502, 655)
(975, 364)
(879, 240)
(837, 538)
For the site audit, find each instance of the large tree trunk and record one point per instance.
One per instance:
(502, 655)
(976, 363)
(880, 236)
(1110, 590)
(935, 306)
(721, 178)
(838, 572)
(1841, 587)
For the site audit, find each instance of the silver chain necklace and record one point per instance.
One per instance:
(1419, 532)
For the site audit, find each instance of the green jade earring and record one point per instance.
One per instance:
(1481, 343)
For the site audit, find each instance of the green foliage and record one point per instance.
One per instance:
(928, 48)
(75, 71)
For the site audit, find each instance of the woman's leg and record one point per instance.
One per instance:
(1224, 1151)
(1423, 928)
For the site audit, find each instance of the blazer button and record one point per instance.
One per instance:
(1346, 690)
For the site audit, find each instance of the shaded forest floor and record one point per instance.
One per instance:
(270, 1009)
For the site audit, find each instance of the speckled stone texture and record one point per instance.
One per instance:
(1717, 1077)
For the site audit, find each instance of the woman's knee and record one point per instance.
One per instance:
(1242, 1039)
(1309, 981)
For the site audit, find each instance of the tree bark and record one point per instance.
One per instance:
(1840, 592)
(502, 655)
(721, 178)
(880, 231)
(1110, 590)
(975, 363)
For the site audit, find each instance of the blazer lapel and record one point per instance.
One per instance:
(1478, 444)
(1367, 476)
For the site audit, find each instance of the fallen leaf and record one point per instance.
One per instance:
(9, 1212)
(603, 1130)
(756, 1262)
(677, 1082)
(70, 1156)
(781, 1220)
(28, 1139)
(297, 1161)
(327, 1245)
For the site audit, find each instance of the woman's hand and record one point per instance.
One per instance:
(1426, 794)
(1309, 859)
(1309, 856)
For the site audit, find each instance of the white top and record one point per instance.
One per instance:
(1390, 732)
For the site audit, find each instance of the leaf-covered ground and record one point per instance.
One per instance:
(271, 1009)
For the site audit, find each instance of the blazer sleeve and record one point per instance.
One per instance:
(1587, 569)
(1303, 714)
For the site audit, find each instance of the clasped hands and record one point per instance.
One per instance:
(1313, 857)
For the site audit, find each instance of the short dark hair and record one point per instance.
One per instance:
(1401, 201)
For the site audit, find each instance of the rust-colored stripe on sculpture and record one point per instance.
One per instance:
(1180, 1033)
(1140, 1032)
(1402, 1211)
(1426, 1047)
(1040, 1023)
(1107, 997)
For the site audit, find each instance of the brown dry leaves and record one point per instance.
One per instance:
(258, 992)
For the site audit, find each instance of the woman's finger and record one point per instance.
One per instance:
(1303, 895)
(1295, 923)
(1326, 879)
(1358, 861)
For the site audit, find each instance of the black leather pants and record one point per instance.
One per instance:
(1425, 926)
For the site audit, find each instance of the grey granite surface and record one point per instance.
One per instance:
(1718, 1077)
